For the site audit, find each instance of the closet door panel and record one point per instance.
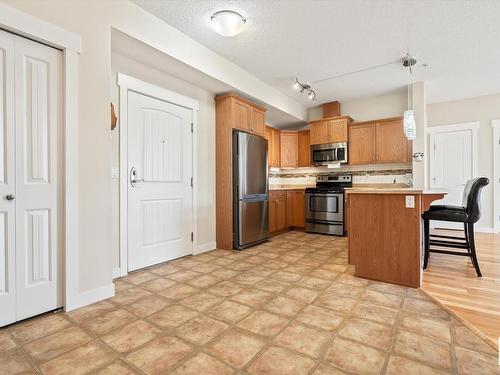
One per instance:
(7, 182)
(38, 179)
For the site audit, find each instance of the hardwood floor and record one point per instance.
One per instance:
(452, 282)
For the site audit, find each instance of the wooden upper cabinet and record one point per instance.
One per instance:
(319, 132)
(304, 158)
(378, 141)
(257, 121)
(289, 149)
(241, 115)
(392, 144)
(337, 130)
(361, 143)
(331, 130)
(273, 146)
(245, 115)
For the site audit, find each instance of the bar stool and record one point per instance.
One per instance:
(469, 213)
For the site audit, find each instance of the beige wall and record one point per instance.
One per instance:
(93, 21)
(205, 150)
(481, 109)
(375, 107)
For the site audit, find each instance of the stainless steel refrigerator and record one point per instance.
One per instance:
(250, 190)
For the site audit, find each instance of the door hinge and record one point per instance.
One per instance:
(192, 127)
(191, 181)
(434, 145)
(192, 236)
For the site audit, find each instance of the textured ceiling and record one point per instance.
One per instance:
(459, 40)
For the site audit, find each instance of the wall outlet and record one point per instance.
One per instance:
(410, 201)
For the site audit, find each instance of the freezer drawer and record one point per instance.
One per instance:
(253, 224)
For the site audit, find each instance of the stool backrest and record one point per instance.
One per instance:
(471, 199)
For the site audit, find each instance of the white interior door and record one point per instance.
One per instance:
(451, 166)
(7, 182)
(30, 187)
(160, 159)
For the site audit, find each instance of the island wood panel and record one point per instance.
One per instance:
(362, 143)
(385, 238)
(452, 282)
(391, 142)
(296, 208)
(304, 158)
(289, 149)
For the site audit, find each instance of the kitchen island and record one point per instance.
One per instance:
(385, 235)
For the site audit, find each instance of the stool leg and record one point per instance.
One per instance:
(426, 242)
(472, 247)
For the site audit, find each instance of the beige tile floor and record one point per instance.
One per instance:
(290, 306)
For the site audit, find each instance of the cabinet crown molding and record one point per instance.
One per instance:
(238, 97)
(348, 118)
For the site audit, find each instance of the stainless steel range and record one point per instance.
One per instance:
(325, 204)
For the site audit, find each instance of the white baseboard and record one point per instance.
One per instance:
(205, 247)
(485, 230)
(117, 272)
(91, 296)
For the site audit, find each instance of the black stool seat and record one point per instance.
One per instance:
(447, 213)
(468, 214)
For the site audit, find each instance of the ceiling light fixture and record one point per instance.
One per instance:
(305, 88)
(408, 61)
(228, 23)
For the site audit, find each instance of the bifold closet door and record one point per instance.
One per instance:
(39, 190)
(7, 182)
(30, 180)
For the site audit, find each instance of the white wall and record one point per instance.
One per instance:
(480, 109)
(206, 144)
(375, 107)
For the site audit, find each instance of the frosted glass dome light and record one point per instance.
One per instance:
(228, 23)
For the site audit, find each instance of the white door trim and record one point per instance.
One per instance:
(23, 24)
(126, 84)
(473, 126)
(495, 124)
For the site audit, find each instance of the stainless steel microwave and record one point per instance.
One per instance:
(329, 153)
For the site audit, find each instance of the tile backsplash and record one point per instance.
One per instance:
(362, 174)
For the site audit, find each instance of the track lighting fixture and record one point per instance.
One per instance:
(305, 88)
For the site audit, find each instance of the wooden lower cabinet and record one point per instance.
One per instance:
(296, 208)
(277, 210)
(286, 209)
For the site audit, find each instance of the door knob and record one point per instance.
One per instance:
(10, 197)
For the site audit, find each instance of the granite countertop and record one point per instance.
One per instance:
(393, 190)
(290, 187)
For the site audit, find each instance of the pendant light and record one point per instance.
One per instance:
(409, 123)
